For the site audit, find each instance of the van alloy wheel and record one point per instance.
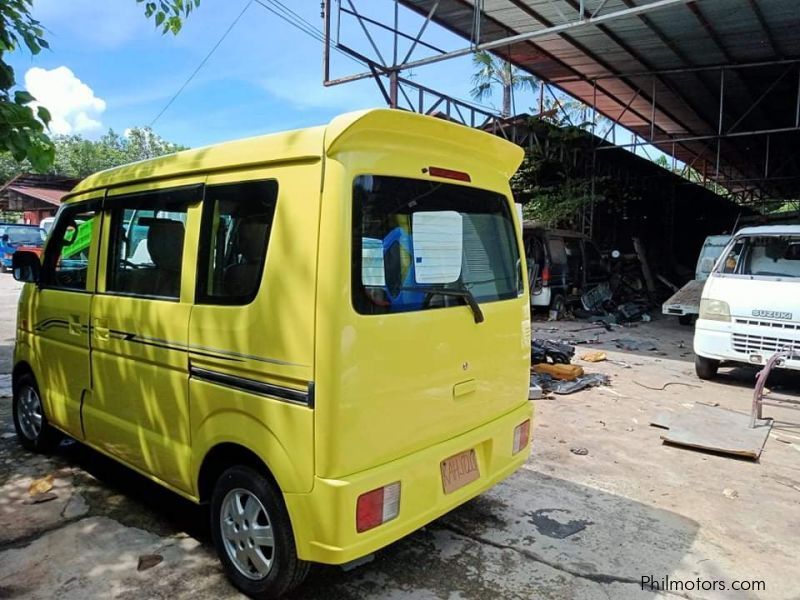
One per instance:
(253, 534)
(30, 413)
(30, 421)
(247, 533)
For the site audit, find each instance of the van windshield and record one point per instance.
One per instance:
(763, 256)
(417, 242)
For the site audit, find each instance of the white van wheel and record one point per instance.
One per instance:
(706, 368)
(253, 535)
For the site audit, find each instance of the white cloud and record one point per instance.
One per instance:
(72, 103)
(305, 91)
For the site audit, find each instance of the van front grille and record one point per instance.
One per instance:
(749, 344)
(775, 324)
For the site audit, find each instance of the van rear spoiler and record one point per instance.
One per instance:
(356, 130)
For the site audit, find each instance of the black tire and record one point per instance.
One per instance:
(706, 368)
(686, 320)
(286, 571)
(3, 268)
(26, 403)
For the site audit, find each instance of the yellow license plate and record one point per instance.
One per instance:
(459, 470)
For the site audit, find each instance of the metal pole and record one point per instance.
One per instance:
(393, 89)
(721, 109)
(797, 103)
(653, 112)
(396, 27)
(326, 47)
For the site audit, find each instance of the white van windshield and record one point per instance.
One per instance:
(421, 244)
(763, 256)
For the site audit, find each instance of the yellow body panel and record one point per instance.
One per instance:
(362, 401)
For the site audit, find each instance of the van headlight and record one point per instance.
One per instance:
(714, 310)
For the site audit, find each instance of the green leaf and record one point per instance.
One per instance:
(23, 97)
(160, 18)
(44, 115)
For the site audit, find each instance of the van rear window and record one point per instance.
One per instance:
(417, 244)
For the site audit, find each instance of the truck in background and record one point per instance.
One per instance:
(685, 303)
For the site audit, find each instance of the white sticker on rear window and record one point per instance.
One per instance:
(438, 246)
(372, 269)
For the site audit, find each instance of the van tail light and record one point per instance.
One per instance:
(377, 507)
(522, 435)
(546, 275)
(449, 174)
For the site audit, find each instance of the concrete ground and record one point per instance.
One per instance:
(566, 526)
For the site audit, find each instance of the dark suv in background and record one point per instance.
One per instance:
(562, 265)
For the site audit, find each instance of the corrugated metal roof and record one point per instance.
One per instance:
(48, 195)
(637, 67)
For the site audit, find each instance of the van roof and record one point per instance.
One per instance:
(345, 132)
(770, 230)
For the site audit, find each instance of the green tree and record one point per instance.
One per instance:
(23, 130)
(75, 156)
(491, 72)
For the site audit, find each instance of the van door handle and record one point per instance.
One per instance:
(75, 325)
(465, 387)
(101, 330)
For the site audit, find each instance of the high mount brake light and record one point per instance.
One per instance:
(449, 174)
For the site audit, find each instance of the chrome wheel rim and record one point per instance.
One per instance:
(247, 534)
(30, 413)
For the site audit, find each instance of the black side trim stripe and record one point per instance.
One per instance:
(249, 385)
(158, 343)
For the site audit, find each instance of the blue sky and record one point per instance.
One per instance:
(109, 68)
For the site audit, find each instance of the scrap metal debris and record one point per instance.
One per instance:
(663, 387)
(632, 345)
(554, 351)
(548, 384)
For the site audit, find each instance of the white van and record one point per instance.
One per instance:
(750, 307)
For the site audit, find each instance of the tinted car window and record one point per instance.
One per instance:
(237, 222)
(412, 237)
(147, 238)
(66, 261)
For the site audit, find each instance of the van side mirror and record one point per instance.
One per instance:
(26, 266)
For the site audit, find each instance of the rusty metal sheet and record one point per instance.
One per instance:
(718, 429)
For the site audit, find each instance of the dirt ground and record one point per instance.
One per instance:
(566, 526)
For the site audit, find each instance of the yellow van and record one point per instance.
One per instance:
(323, 334)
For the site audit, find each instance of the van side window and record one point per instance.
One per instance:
(237, 221)
(66, 260)
(146, 243)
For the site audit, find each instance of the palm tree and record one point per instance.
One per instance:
(490, 72)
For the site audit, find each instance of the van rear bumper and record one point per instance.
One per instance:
(324, 520)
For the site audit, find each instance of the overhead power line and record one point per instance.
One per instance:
(202, 63)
